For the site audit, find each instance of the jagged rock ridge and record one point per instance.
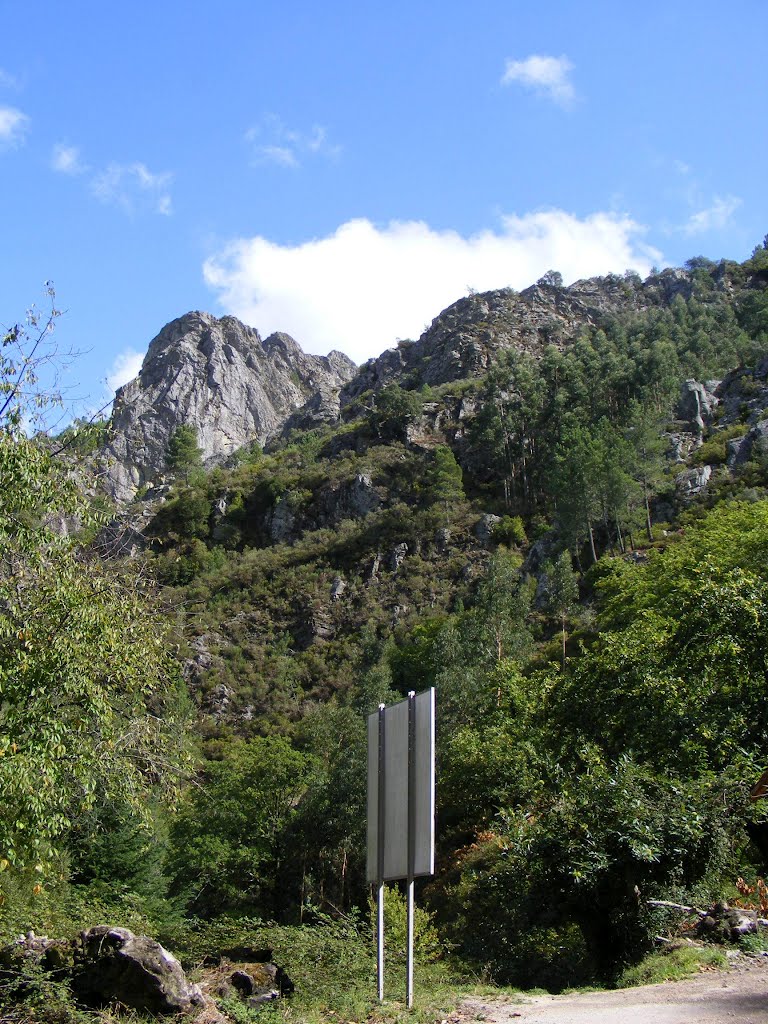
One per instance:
(218, 376)
(465, 338)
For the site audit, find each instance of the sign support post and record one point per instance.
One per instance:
(401, 810)
(411, 847)
(380, 863)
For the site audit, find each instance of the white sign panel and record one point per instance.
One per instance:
(401, 789)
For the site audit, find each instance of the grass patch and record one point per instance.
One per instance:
(676, 964)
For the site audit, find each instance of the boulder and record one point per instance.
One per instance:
(484, 528)
(253, 983)
(692, 482)
(116, 966)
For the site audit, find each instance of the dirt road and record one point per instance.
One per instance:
(739, 994)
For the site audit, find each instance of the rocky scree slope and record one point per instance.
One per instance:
(219, 377)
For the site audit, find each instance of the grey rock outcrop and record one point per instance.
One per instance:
(466, 338)
(353, 499)
(693, 482)
(485, 526)
(753, 444)
(397, 556)
(697, 403)
(115, 965)
(217, 376)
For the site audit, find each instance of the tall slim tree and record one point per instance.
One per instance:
(184, 453)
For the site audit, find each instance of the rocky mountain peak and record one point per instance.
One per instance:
(219, 377)
(464, 340)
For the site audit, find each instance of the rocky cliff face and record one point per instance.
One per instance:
(221, 378)
(465, 338)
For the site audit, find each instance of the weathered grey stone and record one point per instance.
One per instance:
(738, 451)
(692, 482)
(541, 552)
(114, 965)
(362, 496)
(442, 538)
(484, 528)
(338, 587)
(467, 337)
(218, 703)
(696, 404)
(398, 611)
(397, 556)
(373, 571)
(218, 377)
(751, 445)
(282, 522)
(353, 499)
(119, 539)
(681, 444)
(723, 923)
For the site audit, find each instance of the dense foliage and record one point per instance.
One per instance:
(91, 695)
(597, 640)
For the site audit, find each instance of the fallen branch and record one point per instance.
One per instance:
(695, 910)
(677, 906)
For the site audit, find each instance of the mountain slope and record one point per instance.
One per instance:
(219, 377)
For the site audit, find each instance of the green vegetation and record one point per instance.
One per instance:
(184, 453)
(674, 964)
(598, 646)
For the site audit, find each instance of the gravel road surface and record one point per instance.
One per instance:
(714, 997)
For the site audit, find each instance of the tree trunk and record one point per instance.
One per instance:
(591, 541)
(648, 529)
(564, 639)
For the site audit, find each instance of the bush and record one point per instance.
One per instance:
(509, 531)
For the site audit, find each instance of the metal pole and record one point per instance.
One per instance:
(411, 844)
(380, 863)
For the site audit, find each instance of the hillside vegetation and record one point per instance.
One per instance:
(574, 556)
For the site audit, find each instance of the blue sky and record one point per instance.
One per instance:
(343, 171)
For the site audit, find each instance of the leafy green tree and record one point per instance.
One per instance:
(91, 699)
(562, 591)
(443, 480)
(502, 605)
(575, 482)
(393, 409)
(27, 351)
(643, 431)
(326, 834)
(508, 426)
(184, 453)
(226, 843)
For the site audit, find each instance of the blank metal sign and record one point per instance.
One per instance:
(395, 788)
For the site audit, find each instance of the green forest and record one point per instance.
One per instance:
(182, 731)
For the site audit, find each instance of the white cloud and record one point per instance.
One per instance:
(272, 141)
(364, 286)
(714, 216)
(546, 75)
(125, 367)
(7, 80)
(282, 155)
(132, 185)
(66, 159)
(13, 126)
